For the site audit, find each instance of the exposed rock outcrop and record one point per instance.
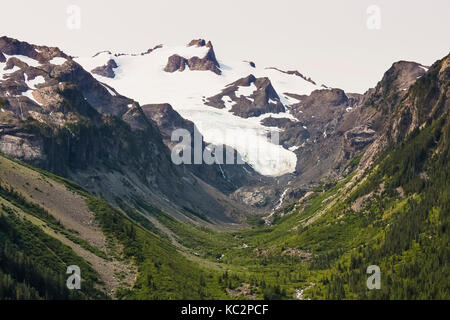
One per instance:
(294, 72)
(259, 97)
(197, 43)
(394, 85)
(175, 63)
(251, 63)
(225, 177)
(106, 70)
(408, 96)
(206, 63)
(72, 125)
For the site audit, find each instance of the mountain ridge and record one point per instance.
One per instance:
(369, 186)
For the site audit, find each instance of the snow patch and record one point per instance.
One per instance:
(273, 115)
(33, 83)
(273, 101)
(192, 51)
(58, 61)
(29, 61)
(109, 90)
(14, 69)
(246, 91)
(29, 95)
(6, 72)
(290, 100)
(228, 102)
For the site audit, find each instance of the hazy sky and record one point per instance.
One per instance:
(327, 40)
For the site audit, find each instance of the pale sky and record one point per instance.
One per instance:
(326, 40)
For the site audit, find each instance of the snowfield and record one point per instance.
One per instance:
(141, 77)
(32, 85)
(58, 61)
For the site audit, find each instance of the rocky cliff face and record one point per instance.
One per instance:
(427, 98)
(408, 95)
(225, 177)
(73, 125)
(175, 63)
(324, 132)
(339, 126)
(256, 98)
(394, 85)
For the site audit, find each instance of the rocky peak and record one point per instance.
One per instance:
(322, 106)
(106, 70)
(208, 62)
(42, 54)
(33, 75)
(330, 97)
(427, 98)
(248, 97)
(394, 85)
(167, 120)
(403, 74)
(251, 63)
(175, 63)
(197, 43)
(408, 96)
(246, 81)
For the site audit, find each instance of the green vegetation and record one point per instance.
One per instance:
(411, 242)
(163, 272)
(323, 244)
(327, 245)
(14, 197)
(33, 264)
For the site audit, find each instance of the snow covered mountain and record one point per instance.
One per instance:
(226, 99)
(82, 117)
(354, 174)
(56, 116)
